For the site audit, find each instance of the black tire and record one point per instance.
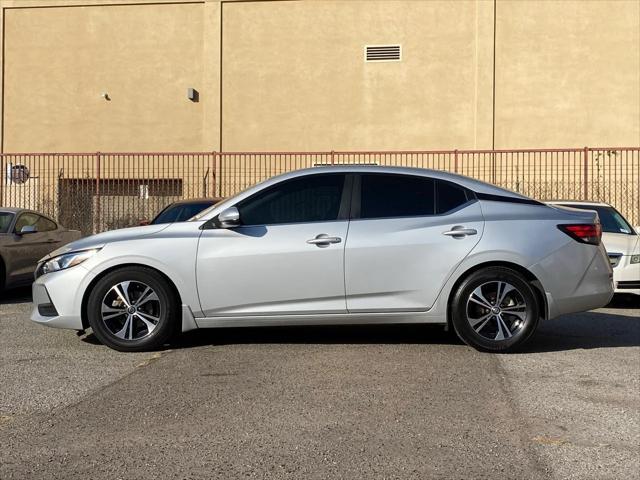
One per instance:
(164, 306)
(2, 276)
(496, 328)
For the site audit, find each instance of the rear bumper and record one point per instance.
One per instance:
(575, 279)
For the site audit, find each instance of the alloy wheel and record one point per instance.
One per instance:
(131, 310)
(496, 310)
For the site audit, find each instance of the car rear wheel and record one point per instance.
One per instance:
(133, 309)
(495, 309)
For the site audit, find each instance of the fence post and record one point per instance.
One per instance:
(98, 211)
(217, 171)
(332, 152)
(3, 179)
(585, 187)
(455, 161)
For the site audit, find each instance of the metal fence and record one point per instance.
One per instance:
(94, 192)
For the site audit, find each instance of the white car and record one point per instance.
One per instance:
(622, 242)
(336, 245)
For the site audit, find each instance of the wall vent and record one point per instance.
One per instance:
(382, 53)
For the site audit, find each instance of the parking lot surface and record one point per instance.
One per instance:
(322, 402)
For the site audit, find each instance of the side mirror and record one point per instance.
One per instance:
(28, 229)
(228, 218)
(144, 223)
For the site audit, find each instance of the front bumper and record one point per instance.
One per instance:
(57, 298)
(626, 276)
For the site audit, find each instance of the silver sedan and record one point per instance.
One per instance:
(336, 245)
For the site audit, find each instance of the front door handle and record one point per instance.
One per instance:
(459, 232)
(324, 240)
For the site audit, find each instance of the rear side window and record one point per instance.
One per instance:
(396, 196)
(449, 196)
(313, 198)
(45, 225)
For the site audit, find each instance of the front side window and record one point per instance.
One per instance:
(313, 198)
(384, 196)
(26, 220)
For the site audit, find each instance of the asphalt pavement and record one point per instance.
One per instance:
(323, 402)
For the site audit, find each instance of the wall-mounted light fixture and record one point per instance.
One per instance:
(106, 96)
(193, 94)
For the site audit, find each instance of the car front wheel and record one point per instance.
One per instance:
(495, 309)
(133, 309)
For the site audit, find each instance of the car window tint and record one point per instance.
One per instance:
(449, 196)
(395, 196)
(5, 221)
(313, 198)
(610, 219)
(26, 220)
(45, 225)
(168, 215)
(191, 209)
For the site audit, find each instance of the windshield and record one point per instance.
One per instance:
(180, 212)
(5, 221)
(610, 219)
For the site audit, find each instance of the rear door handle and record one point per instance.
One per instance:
(324, 240)
(459, 231)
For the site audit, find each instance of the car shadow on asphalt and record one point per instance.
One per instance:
(15, 296)
(577, 331)
(312, 335)
(589, 330)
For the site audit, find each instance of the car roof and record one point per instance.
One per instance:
(13, 210)
(190, 201)
(468, 182)
(578, 202)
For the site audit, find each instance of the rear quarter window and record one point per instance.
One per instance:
(449, 196)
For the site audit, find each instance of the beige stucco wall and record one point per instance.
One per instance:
(567, 73)
(59, 61)
(296, 78)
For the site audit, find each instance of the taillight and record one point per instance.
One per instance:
(583, 232)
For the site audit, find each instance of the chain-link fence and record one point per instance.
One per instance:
(95, 192)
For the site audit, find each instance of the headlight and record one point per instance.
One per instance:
(635, 259)
(66, 260)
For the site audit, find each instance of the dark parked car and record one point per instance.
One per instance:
(182, 210)
(25, 237)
